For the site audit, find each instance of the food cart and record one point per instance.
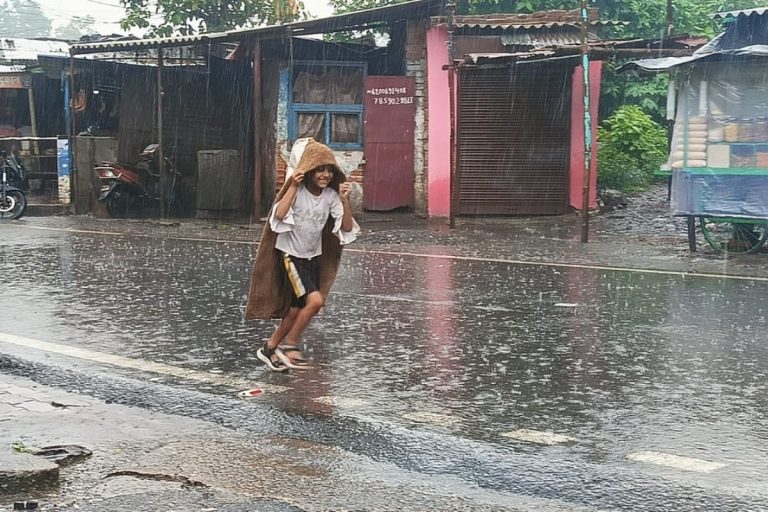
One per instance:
(719, 155)
(719, 149)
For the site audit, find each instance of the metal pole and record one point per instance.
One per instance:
(160, 156)
(73, 171)
(452, 109)
(587, 123)
(670, 96)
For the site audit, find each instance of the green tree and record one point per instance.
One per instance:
(188, 17)
(23, 18)
(647, 18)
(632, 147)
(77, 27)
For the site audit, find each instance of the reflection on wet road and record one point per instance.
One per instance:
(582, 377)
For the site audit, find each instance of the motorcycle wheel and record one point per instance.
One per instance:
(117, 203)
(13, 206)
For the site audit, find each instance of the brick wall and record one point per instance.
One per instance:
(282, 165)
(416, 69)
(416, 66)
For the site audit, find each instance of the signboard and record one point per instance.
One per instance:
(12, 81)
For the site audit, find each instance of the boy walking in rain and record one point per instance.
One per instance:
(300, 250)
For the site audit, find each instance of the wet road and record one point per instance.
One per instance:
(447, 366)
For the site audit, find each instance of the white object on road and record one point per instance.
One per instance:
(676, 461)
(539, 437)
(340, 401)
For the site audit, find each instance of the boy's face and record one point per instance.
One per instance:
(322, 176)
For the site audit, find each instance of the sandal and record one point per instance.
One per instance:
(295, 361)
(265, 354)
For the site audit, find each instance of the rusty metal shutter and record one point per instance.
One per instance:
(514, 140)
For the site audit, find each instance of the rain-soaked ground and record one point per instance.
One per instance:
(657, 381)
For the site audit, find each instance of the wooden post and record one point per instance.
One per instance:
(257, 130)
(33, 123)
(587, 123)
(74, 175)
(160, 156)
(32, 111)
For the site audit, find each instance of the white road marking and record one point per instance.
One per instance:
(138, 364)
(676, 461)
(387, 298)
(566, 265)
(539, 437)
(433, 256)
(340, 401)
(431, 417)
(139, 235)
(565, 305)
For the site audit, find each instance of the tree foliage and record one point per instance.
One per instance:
(188, 17)
(632, 147)
(23, 18)
(647, 18)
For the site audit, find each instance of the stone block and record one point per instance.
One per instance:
(22, 471)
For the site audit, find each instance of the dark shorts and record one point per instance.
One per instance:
(303, 276)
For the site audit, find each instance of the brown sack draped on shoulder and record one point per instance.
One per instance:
(270, 294)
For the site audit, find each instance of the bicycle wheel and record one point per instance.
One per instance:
(734, 236)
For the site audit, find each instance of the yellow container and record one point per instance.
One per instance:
(732, 132)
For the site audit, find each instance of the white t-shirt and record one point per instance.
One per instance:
(300, 233)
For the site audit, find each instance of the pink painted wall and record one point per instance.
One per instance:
(439, 128)
(576, 177)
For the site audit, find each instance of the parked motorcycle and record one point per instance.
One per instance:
(127, 188)
(13, 201)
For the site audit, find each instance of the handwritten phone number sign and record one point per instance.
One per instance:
(383, 91)
(403, 100)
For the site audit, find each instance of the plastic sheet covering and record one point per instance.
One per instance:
(719, 154)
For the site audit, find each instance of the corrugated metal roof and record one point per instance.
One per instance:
(476, 57)
(492, 24)
(535, 18)
(137, 44)
(27, 50)
(744, 12)
(542, 38)
(328, 24)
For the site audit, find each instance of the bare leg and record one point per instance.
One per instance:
(284, 328)
(314, 304)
